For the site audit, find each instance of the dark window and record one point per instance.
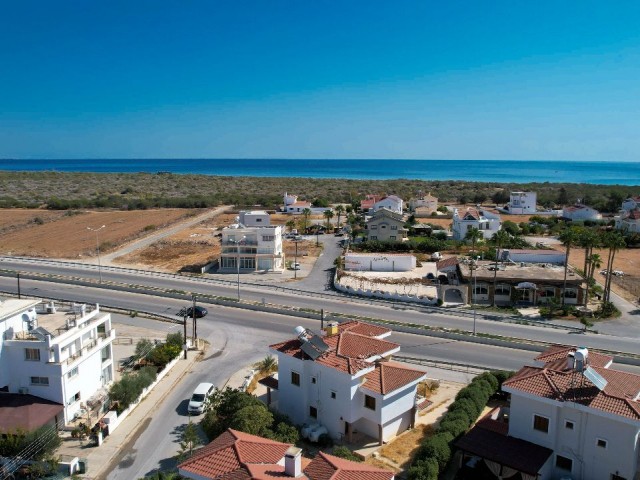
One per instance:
(568, 425)
(369, 402)
(39, 380)
(313, 412)
(564, 463)
(295, 378)
(541, 423)
(32, 354)
(601, 443)
(313, 380)
(333, 394)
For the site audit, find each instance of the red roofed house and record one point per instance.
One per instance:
(369, 201)
(346, 382)
(581, 212)
(585, 415)
(241, 456)
(487, 222)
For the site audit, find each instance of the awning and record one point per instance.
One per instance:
(526, 286)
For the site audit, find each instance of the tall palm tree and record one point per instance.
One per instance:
(594, 261)
(339, 211)
(328, 215)
(613, 241)
(587, 239)
(500, 238)
(568, 238)
(306, 213)
(290, 224)
(473, 234)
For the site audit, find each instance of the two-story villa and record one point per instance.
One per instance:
(346, 381)
(249, 249)
(390, 202)
(486, 222)
(62, 356)
(386, 226)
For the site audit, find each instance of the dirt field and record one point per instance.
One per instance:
(65, 234)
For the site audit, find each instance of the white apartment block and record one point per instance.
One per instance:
(488, 223)
(62, 356)
(346, 382)
(254, 218)
(391, 202)
(252, 249)
(522, 203)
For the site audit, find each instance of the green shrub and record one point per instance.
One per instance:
(344, 452)
(454, 426)
(476, 394)
(424, 469)
(437, 447)
(468, 406)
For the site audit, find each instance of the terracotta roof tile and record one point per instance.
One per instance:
(390, 376)
(361, 328)
(447, 262)
(347, 350)
(328, 467)
(560, 352)
(228, 456)
(618, 397)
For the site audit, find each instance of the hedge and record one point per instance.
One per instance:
(436, 451)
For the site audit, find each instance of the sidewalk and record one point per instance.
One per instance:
(99, 460)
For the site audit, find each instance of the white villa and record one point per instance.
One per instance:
(570, 416)
(390, 202)
(423, 206)
(522, 203)
(488, 223)
(252, 248)
(297, 207)
(628, 221)
(62, 356)
(580, 212)
(346, 381)
(386, 226)
(631, 203)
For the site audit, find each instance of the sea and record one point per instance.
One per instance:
(493, 171)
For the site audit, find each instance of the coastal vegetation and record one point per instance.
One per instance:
(131, 191)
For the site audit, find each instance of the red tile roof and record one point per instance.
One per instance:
(348, 350)
(487, 439)
(328, 467)
(560, 352)
(619, 396)
(390, 376)
(229, 457)
(470, 214)
(446, 263)
(26, 412)
(634, 214)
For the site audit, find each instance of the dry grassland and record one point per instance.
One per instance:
(66, 236)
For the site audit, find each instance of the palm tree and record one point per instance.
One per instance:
(339, 211)
(306, 213)
(594, 261)
(613, 241)
(500, 238)
(474, 235)
(328, 215)
(268, 364)
(587, 239)
(290, 224)
(568, 238)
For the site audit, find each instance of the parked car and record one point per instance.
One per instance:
(200, 398)
(200, 312)
(295, 266)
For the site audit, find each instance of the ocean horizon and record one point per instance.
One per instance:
(488, 171)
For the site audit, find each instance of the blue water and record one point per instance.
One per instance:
(498, 171)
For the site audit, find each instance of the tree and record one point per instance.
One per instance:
(328, 215)
(189, 439)
(268, 364)
(568, 238)
(587, 239)
(254, 419)
(143, 348)
(291, 224)
(339, 211)
(563, 197)
(473, 235)
(593, 262)
(613, 241)
(500, 238)
(306, 213)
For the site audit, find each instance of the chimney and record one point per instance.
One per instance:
(331, 329)
(293, 462)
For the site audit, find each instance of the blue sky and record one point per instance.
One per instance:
(320, 79)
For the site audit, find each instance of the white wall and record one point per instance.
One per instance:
(521, 203)
(379, 262)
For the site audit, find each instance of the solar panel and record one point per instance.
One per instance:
(310, 350)
(595, 378)
(319, 343)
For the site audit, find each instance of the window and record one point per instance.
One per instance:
(369, 402)
(568, 425)
(503, 290)
(394, 227)
(392, 237)
(313, 380)
(295, 378)
(268, 238)
(564, 463)
(333, 394)
(373, 237)
(570, 294)
(601, 443)
(32, 354)
(541, 423)
(72, 373)
(313, 412)
(73, 398)
(373, 227)
(40, 381)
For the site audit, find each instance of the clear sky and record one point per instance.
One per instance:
(320, 79)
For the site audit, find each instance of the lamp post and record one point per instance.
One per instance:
(295, 263)
(96, 230)
(474, 265)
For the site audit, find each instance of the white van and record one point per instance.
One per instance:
(200, 398)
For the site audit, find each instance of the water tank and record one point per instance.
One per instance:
(299, 330)
(581, 356)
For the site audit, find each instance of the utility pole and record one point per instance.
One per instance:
(193, 313)
(18, 277)
(184, 324)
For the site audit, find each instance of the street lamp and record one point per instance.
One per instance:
(96, 230)
(474, 266)
(237, 242)
(295, 263)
